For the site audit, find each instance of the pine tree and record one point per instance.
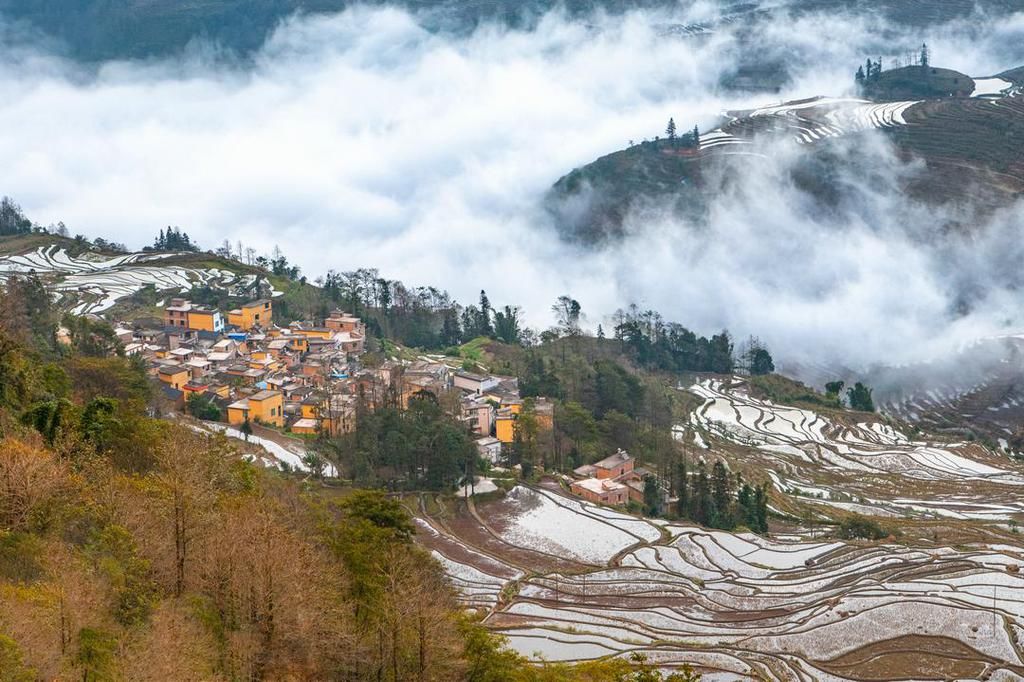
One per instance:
(696, 137)
(761, 508)
(748, 508)
(484, 327)
(720, 485)
(450, 332)
(860, 398)
(704, 508)
(683, 492)
(924, 55)
(670, 131)
(860, 75)
(652, 496)
(470, 323)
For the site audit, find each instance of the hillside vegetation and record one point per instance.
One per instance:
(133, 548)
(592, 202)
(918, 82)
(962, 141)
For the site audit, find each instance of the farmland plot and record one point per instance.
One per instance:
(91, 283)
(820, 118)
(808, 121)
(861, 466)
(739, 606)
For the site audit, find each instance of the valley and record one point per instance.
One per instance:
(564, 579)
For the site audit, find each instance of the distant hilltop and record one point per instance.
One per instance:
(916, 78)
(940, 116)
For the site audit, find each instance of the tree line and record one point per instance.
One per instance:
(173, 240)
(669, 346)
(720, 499)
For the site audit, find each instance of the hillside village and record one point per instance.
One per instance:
(308, 379)
(296, 387)
(397, 453)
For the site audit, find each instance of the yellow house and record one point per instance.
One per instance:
(544, 409)
(317, 415)
(310, 409)
(205, 319)
(220, 390)
(251, 314)
(505, 426)
(174, 376)
(311, 419)
(265, 407)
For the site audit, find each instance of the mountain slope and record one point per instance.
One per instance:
(962, 142)
(85, 280)
(564, 579)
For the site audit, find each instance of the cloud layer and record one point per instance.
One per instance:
(363, 140)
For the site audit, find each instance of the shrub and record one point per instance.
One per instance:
(201, 407)
(857, 526)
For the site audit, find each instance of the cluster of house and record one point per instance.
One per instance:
(615, 480)
(307, 379)
(298, 377)
(489, 405)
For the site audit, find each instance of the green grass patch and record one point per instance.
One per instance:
(785, 391)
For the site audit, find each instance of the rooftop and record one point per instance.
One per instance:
(613, 461)
(263, 395)
(600, 486)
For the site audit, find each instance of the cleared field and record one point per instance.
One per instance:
(738, 606)
(91, 283)
(807, 121)
(861, 466)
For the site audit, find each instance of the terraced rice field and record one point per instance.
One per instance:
(738, 606)
(868, 466)
(954, 135)
(807, 121)
(979, 391)
(91, 283)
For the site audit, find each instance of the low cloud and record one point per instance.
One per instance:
(364, 140)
